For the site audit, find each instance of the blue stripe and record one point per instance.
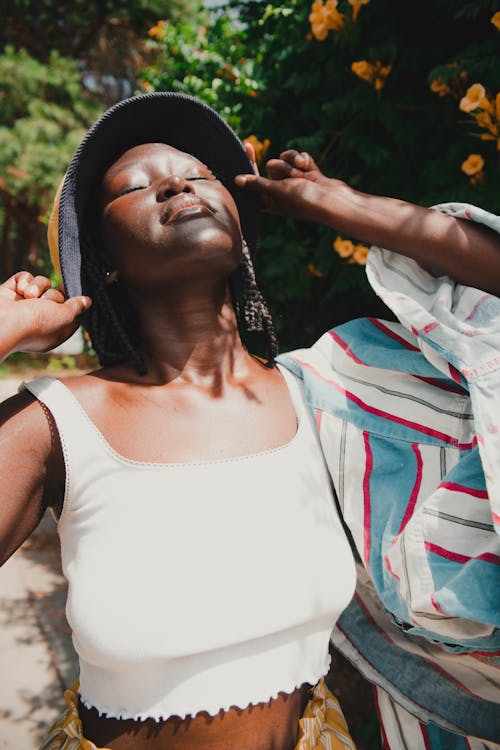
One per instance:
(416, 679)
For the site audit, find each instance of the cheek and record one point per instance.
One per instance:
(230, 212)
(122, 229)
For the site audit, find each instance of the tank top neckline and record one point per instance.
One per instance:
(289, 379)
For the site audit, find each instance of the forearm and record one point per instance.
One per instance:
(8, 340)
(467, 252)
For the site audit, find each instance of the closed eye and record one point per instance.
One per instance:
(131, 189)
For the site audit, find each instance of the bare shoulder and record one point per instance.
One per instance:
(31, 469)
(21, 415)
(95, 391)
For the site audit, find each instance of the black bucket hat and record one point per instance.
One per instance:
(179, 120)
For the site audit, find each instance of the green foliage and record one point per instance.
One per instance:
(105, 37)
(44, 112)
(258, 64)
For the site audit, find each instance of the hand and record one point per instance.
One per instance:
(36, 318)
(296, 186)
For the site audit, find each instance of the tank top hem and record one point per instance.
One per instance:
(122, 714)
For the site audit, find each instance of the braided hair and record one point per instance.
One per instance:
(114, 328)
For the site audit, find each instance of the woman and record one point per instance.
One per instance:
(195, 614)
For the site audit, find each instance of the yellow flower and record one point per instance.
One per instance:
(356, 7)
(473, 98)
(344, 248)
(156, 30)
(374, 73)
(363, 69)
(324, 17)
(360, 254)
(495, 20)
(485, 121)
(497, 104)
(381, 73)
(313, 271)
(438, 87)
(260, 147)
(473, 165)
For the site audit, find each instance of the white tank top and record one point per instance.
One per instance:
(197, 586)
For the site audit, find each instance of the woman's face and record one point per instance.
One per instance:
(165, 219)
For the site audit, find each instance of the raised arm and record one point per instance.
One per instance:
(33, 318)
(465, 251)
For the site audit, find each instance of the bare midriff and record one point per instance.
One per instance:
(266, 726)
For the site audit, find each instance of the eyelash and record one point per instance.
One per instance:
(131, 189)
(188, 179)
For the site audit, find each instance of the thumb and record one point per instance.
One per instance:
(250, 181)
(71, 308)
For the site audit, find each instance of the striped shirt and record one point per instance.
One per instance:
(408, 415)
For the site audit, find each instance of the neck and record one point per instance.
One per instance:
(194, 340)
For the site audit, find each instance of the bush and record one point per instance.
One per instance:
(379, 102)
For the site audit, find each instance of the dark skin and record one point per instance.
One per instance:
(170, 234)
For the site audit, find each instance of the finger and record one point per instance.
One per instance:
(19, 281)
(247, 180)
(290, 155)
(36, 287)
(75, 306)
(251, 155)
(54, 295)
(278, 169)
(302, 160)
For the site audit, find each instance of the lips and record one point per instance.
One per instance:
(184, 204)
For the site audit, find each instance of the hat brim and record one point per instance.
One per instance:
(180, 121)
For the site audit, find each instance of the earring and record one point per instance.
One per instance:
(111, 277)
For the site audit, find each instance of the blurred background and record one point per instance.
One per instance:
(394, 98)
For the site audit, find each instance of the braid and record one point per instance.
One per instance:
(113, 328)
(109, 318)
(251, 308)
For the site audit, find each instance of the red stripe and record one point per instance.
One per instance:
(389, 332)
(386, 415)
(476, 307)
(454, 373)
(458, 557)
(440, 384)
(430, 327)
(496, 517)
(366, 499)
(346, 348)
(437, 607)
(389, 568)
(319, 417)
(425, 736)
(416, 489)
(432, 381)
(462, 488)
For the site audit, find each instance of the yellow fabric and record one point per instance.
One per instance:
(53, 229)
(322, 726)
(66, 732)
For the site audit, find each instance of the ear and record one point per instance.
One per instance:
(251, 155)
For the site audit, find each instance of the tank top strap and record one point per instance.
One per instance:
(76, 432)
(296, 390)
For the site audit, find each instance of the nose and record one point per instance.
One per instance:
(173, 185)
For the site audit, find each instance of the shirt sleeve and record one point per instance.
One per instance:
(458, 331)
(409, 421)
